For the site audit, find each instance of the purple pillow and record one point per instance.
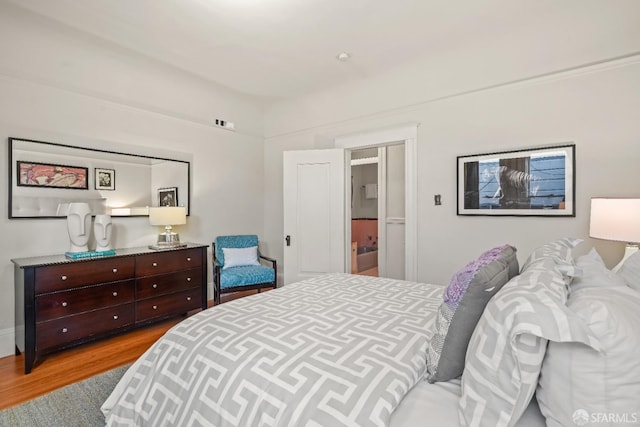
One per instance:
(464, 300)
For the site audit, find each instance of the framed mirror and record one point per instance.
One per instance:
(44, 177)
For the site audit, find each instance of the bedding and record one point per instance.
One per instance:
(507, 348)
(603, 386)
(329, 351)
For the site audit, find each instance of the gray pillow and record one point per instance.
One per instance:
(464, 300)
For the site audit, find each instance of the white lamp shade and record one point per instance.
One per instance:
(615, 219)
(168, 215)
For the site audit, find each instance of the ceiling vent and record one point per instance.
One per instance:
(224, 124)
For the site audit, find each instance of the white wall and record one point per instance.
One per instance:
(594, 107)
(58, 85)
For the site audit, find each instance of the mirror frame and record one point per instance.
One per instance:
(97, 150)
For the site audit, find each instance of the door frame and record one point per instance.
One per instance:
(407, 134)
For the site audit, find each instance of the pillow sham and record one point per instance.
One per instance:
(630, 271)
(506, 349)
(576, 380)
(560, 251)
(235, 257)
(593, 273)
(463, 303)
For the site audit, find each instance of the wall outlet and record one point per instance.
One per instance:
(437, 199)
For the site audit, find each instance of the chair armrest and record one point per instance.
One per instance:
(271, 260)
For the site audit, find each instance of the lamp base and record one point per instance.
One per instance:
(168, 241)
(629, 250)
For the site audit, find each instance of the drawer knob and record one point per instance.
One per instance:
(188, 279)
(155, 307)
(115, 294)
(64, 277)
(115, 317)
(155, 264)
(188, 258)
(188, 298)
(64, 303)
(64, 330)
(154, 286)
(115, 270)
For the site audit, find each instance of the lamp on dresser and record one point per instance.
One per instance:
(168, 216)
(616, 219)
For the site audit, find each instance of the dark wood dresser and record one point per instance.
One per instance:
(61, 303)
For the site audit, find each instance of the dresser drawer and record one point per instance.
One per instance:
(168, 305)
(153, 286)
(167, 261)
(57, 333)
(60, 304)
(83, 273)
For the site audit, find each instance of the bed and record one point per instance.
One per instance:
(341, 350)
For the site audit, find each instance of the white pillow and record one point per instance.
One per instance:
(235, 257)
(580, 384)
(630, 271)
(593, 273)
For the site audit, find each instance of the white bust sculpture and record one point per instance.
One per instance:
(79, 226)
(102, 231)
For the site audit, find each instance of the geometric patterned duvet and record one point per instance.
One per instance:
(335, 350)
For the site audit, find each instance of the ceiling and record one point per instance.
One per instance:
(287, 48)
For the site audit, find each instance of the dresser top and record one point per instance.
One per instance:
(61, 259)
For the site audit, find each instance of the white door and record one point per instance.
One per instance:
(313, 213)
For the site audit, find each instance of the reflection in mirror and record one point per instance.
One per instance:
(45, 177)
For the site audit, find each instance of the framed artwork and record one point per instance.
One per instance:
(531, 182)
(105, 179)
(168, 196)
(34, 174)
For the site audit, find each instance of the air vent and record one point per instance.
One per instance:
(224, 124)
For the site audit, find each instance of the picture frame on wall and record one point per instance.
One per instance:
(529, 182)
(35, 174)
(168, 196)
(105, 179)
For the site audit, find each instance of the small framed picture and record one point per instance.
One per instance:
(105, 179)
(168, 196)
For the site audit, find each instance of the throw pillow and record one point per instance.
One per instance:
(463, 303)
(235, 257)
(508, 345)
(593, 273)
(602, 387)
(630, 271)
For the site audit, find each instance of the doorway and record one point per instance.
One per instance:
(397, 216)
(378, 211)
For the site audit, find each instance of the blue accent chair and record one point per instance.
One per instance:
(240, 278)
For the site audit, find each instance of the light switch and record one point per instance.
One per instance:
(437, 199)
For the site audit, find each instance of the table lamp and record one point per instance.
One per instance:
(168, 216)
(616, 219)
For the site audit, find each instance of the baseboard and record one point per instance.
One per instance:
(7, 343)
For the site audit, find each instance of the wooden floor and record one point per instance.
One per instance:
(69, 366)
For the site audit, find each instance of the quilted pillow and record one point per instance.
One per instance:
(578, 381)
(464, 300)
(508, 345)
(235, 257)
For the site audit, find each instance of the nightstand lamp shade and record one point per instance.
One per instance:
(616, 219)
(168, 216)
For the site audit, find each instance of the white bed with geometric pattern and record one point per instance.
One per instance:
(348, 350)
(336, 350)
